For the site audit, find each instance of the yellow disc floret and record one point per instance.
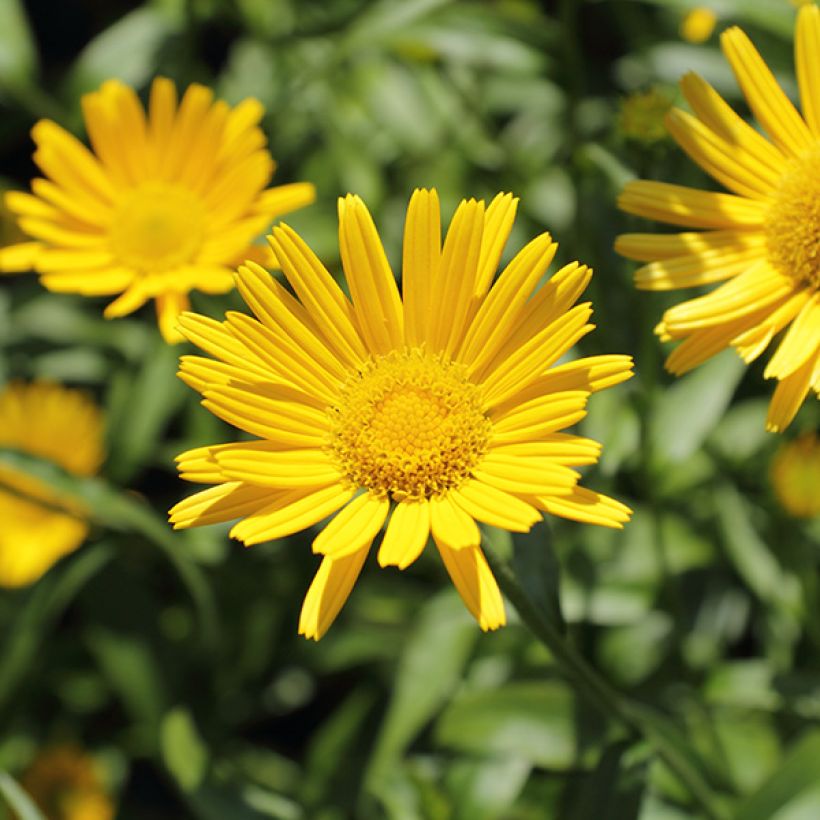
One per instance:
(158, 227)
(793, 226)
(409, 425)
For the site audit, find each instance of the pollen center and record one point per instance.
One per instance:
(410, 425)
(793, 225)
(158, 227)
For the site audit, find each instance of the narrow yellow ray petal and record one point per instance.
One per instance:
(319, 293)
(451, 525)
(278, 469)
(376, 302)
(738, 171)
(57, 260)
(99, 282)
(790, 393)
(406, 534)
(476, 585)
(715, 113)
(216, 505)
(283, 199)
(456, 279)
(498, 222)
(328, 593)
(698, 269)
(20, 257)
(130, 300)
(588, 507)
(169, 306)
(524, 475)
(162, 109)
(285, 418)
(690, 207)
(752, 342)
(353, 527)
(756, 288)
(651, 247)
(421, 256)
(807, 59)
(537, 355)
(589, 374)
(770, 105)
(799, 343)
(537, 417)
(561, 448)
(512, 289)
(495, 507)
(290, 512)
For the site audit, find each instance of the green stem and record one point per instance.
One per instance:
(637, 718)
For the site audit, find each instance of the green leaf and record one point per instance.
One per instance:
(18, 800)
(751, 556)
(18, 52)
(538, 571)
(798, 775)
(183, 751)
(429, 670)
(631, 652)
(126, 51)
(40, 609)
(528, 720)
(486, 789)
(688, 409)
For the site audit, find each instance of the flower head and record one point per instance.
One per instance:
(65, 784)
(764, 238)
(166, 203)
(697, 26)
(795, 475)
(40, 526)
(428, 411)
(641, 115)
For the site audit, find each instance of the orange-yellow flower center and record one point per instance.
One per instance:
(409, 425)
(158, 227)
(793, 224)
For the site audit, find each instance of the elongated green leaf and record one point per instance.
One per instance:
(185, 755)
(534, 721)
(689, 408)
(18, 54)
(429, 670)
(799, 773)
(538, 571)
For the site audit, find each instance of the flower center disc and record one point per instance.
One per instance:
(793, 226)
(158, 227)
(409, 425)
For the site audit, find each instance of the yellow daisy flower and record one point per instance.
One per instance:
(165, 204)
(434, 409)
(40, 526)
(795, 476)
(764, 237)
(65, 784)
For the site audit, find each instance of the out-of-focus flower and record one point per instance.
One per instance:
(435, 410)
(40, 526)
(165, 204)
(764, 237)
(65, 783)
(641, 116)
(697, 26)
(796, 476)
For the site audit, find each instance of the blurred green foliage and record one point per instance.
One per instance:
(174, 656)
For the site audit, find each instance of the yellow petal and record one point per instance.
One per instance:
(451, 525)
(495, 507)
(406, 534)
(354, 527)
(588, 507)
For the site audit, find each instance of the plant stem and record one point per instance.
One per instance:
(637, 718)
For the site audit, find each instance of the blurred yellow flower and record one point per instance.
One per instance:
(641, 116)
(697, 26)
(64, 783)
(795, 476)
(165, 204)
(435, 410)
(40, 526)
(764, 237)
